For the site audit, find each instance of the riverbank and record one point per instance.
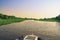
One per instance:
(49, 20)
(53, 19)
(9, 21)
(5, 19)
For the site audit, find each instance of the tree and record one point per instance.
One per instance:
(58, 17)
(1, 15)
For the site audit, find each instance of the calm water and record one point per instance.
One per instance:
(45, 30)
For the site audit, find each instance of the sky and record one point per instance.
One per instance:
(30, 8)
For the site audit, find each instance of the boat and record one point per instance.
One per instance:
(31, 37)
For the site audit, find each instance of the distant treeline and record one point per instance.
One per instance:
(5, 19)
(2, 16)
(57, 18)
(53, 19)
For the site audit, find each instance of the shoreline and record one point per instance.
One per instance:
(7, 21)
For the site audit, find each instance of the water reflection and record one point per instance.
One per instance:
(58, 25)
(45, 30)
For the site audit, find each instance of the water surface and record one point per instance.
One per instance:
(45, 30)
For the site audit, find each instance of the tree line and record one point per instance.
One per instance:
(2, 16)
(57, 18)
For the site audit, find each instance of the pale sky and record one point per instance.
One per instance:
(30, 8)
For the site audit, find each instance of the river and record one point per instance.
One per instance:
(45, 30)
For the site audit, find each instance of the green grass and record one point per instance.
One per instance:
(8, 21)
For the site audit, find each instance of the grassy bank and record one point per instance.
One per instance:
(8, 21)
(5, 19)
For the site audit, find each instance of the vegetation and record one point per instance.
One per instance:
(58, 18)
(55, 19)
(4, 19)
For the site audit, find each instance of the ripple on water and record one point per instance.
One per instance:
(45, 30)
